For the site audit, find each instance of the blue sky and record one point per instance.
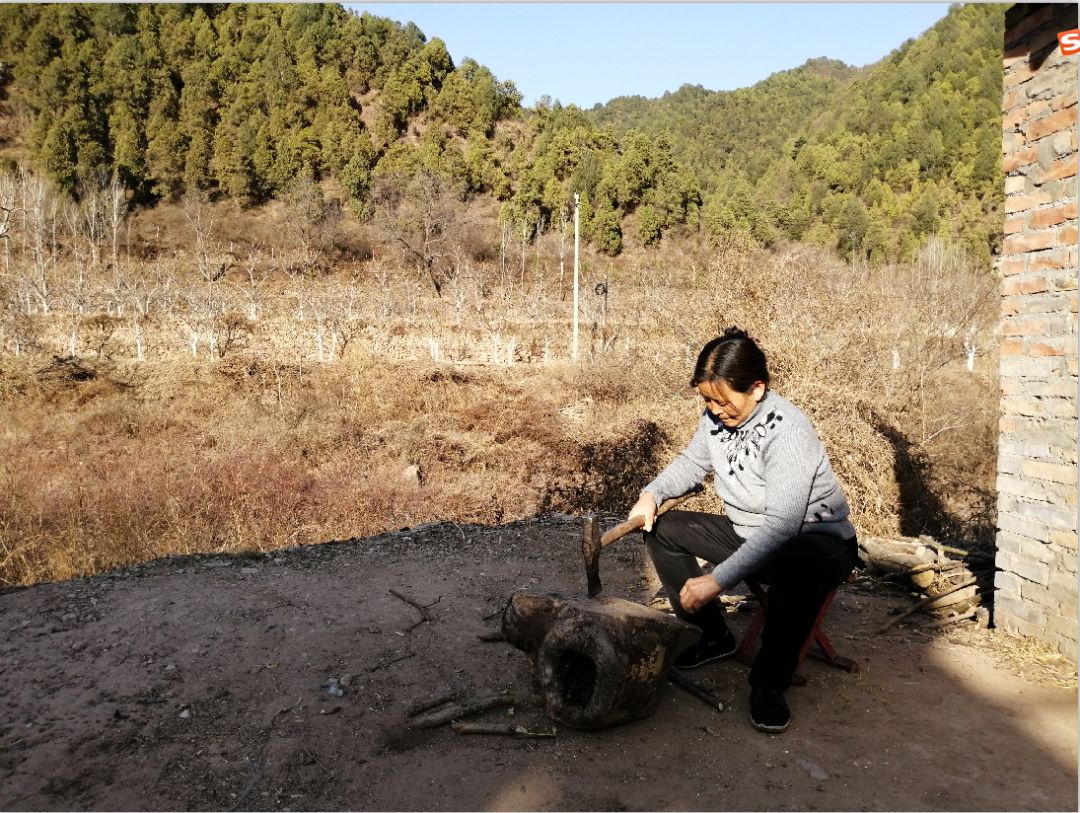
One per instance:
(588, 53)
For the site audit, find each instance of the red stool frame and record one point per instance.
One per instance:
(824, 651)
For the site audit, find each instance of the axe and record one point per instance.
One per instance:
(592, 542)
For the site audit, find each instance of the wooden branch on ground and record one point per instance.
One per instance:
(384, 664)
(430, 702)
(457, 711)
(421, 608)
(918, 606)
(492, 637)
(512, 729)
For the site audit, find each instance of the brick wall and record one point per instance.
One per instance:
(1037, 483)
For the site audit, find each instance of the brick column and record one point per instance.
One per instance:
(1037, 472)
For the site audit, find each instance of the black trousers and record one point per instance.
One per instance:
(800, 575)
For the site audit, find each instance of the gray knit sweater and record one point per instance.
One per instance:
(773, 475)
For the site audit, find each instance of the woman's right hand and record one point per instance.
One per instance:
(645, 508)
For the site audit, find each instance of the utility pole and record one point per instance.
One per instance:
(577, 251)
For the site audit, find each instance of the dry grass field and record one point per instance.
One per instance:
(204, 380)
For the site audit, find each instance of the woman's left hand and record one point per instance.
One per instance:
(698, 592)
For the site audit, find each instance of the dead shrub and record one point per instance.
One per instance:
(609, 473)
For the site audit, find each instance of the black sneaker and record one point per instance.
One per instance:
(768, 711)
(707, 651)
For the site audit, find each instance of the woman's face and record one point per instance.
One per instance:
(727, 406)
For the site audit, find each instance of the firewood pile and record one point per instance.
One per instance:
(955, 583)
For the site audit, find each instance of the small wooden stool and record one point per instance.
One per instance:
(825, 650)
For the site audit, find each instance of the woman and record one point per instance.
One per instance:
(785, 523)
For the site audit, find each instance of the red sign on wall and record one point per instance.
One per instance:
(1069, 42)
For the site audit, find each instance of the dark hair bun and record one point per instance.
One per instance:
(733, 357)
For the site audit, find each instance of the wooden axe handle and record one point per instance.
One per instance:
(632, 524)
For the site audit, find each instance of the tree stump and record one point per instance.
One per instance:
(597, 662)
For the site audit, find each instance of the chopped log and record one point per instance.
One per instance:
(952, 619)
(938, 567)
(893, 557)
(915, 608)
(596, 662)
(512, 729)
(954, 598)
(923, 578)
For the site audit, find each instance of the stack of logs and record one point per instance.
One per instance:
(955, 582)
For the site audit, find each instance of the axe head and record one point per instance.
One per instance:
(590, 552)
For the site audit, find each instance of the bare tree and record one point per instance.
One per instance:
(74, 294)
(345, 319)
(116, 207)
(541, 228)
(148, 291)
(41, 216)
(195, 316)
(565, 231)
(325, 344)
(18, 328)
(313, 221)
(418, 214)
(9, 213)
(231, 331)
(89, 218)
(211, 260)
(256, 273)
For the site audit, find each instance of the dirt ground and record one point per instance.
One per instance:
(202, 683)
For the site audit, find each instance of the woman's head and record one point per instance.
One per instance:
(732, 376)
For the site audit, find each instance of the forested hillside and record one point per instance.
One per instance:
(237, 99)
(744, 129)
(871, 162)
(250, 101)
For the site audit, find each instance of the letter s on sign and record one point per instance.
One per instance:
(1069, 42)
